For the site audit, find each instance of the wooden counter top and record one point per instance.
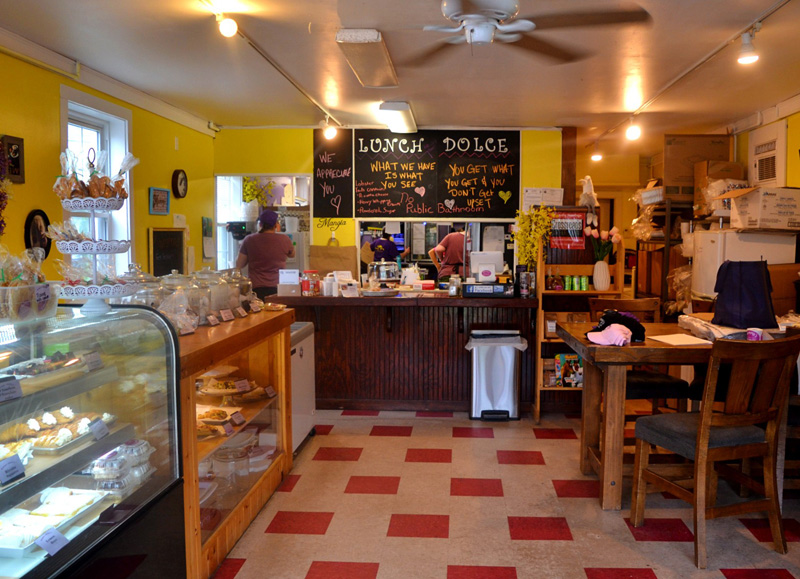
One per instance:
(410, 301)
(208, 345)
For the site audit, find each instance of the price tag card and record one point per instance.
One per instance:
(240, 312)
(237, 418)
(42, 295)
(212, 320)
(10, 389)
(242, 385)
(186, 330)
(270, 391)
(99, 429)
(52, 541)
(228, 427)
(226, 315)
(11, 469)
(93, 361)
(254, 307)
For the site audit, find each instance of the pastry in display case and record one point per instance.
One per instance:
(88, 441)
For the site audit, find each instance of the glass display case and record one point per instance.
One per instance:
(88, 439)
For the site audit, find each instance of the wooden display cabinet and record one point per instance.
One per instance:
(565, 306)
(258, 346)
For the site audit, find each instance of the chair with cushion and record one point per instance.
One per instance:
(642, 384)
(747, 426)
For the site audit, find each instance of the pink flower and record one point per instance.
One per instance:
(614, 231)
(595, 233)
(616, 238)
(587, 231)
(604, 235)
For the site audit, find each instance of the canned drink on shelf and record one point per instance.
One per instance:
(567, 283)
(584, 282)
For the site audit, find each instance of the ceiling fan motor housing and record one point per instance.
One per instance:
(499, 10)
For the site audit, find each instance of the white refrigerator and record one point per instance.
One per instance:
(712, 248)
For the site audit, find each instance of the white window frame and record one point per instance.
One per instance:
(92, 110)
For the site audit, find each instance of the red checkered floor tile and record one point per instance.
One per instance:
(539, 529)
(669, 530)
(338, 454)
(520, 457)
(419, 526)
(298, 523)
(430, 495)
(360, 413)
(429, 455)
(391, 430)
(338, 570)
(373, 485)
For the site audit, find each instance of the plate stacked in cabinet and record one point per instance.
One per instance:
(124, 469)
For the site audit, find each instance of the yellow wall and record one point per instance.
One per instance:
(540, 158)
(248, 151)
(793, 146)
(32, 111)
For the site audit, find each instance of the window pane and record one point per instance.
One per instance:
(79, 140)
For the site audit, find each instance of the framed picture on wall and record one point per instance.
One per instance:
(36, 225)
(14, 150)
(159, 201)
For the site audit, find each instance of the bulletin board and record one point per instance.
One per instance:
(167, 250)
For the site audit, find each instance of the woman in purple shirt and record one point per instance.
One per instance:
(264, 253)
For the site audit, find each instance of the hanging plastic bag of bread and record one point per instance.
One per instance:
(67, 181)
(97, 178)
(118, 181)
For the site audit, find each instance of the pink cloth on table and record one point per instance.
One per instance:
(613, 335)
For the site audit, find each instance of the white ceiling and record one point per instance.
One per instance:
(171, 50)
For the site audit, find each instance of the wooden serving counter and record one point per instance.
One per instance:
(258, 346)
(392, 353)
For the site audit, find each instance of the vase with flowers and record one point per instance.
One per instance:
(602, 244)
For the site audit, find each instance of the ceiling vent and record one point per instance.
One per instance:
(767, 155)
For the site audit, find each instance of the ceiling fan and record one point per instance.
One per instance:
(479, 22)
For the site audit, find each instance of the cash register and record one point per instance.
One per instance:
(486, 267)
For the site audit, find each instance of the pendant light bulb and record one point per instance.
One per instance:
(747, 54)
(328, 130)
(596, 154)
(227, 26)
(633, 132)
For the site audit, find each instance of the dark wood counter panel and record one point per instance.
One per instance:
(408, 353)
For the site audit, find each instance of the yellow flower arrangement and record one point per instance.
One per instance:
(532, 232)
(253, 190)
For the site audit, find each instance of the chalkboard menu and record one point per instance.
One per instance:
(449, 174)
(333, 174)
(167, 250)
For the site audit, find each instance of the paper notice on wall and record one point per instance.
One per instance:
(190, 259)
(493, 238)
(418, 238)
(392, 227)
(533, 196)
(178, 220)
(209, 250)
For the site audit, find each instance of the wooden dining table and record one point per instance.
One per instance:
(605, 369)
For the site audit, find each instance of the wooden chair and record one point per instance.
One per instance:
(747, 426)
(642, 384)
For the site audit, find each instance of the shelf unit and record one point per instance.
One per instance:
(566, 302)
(655, 253)
(258, 346)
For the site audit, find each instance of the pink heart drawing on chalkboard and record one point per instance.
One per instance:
(450, 203)
(336, 202)
(420, 191)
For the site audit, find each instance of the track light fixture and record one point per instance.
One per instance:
(747, 53)
(633, 131)
(227, 26)
(596, 154)
(328, 130)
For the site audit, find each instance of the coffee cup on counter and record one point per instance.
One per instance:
(755, 334)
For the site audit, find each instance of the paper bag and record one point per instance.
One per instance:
(326, 259)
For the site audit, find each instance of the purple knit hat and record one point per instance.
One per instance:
(268, 219)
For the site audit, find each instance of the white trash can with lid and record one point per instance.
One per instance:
(495, 373)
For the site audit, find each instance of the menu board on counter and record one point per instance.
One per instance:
(450, 174)
(333, 174)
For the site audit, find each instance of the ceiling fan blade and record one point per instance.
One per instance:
(429, 56)
(547, 49)
(604, 18)
(451, 29)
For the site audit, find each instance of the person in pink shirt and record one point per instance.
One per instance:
(264, 253)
